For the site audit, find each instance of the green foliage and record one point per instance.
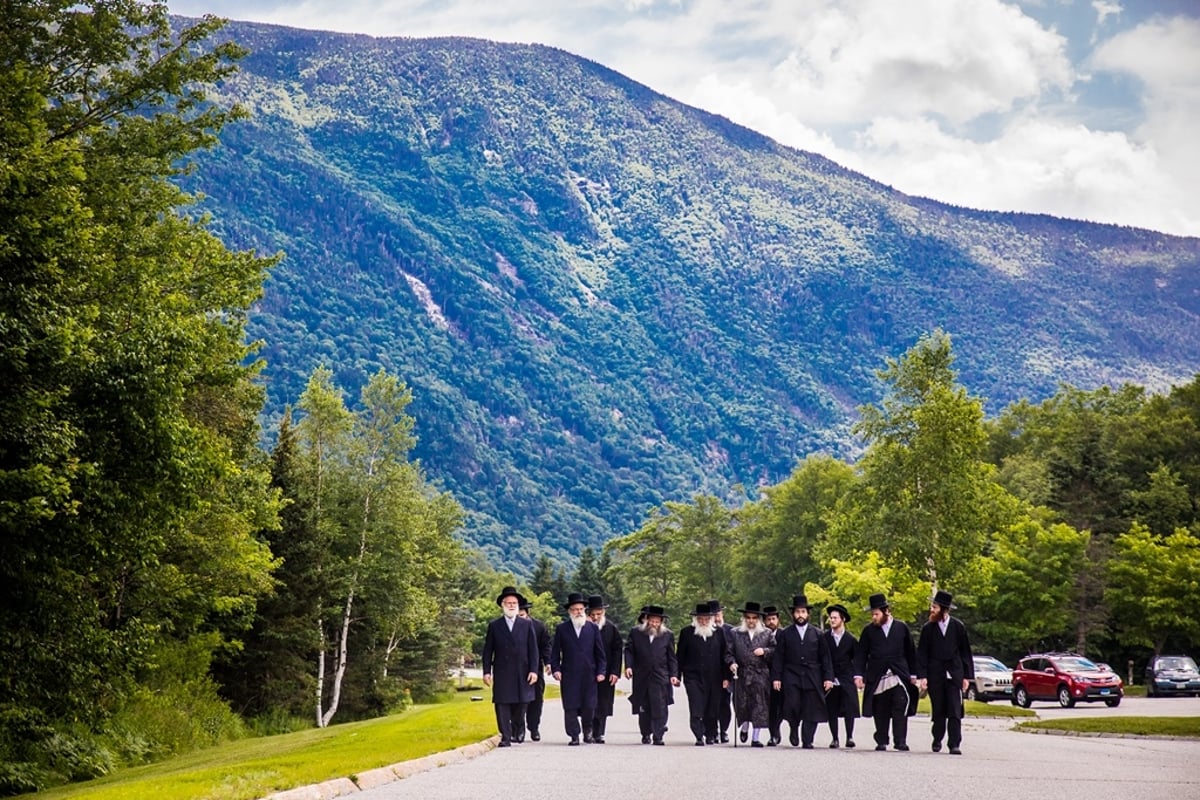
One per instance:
(1154, 588)
(860, 575)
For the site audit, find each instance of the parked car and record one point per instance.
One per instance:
(1068, 678)
(1172, 675)
(993, 680)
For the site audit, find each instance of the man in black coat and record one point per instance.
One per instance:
(803, 671)
(533, 712)
(650, 661)
(510, 665)
(578, 663)
(701, 653)
(614, 650)
(842, 702)
(775, 725)
(725, 704)
(944, 667)
(885, 667)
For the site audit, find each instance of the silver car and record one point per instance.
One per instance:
(993, 680)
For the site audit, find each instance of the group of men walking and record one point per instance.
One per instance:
(757, 672)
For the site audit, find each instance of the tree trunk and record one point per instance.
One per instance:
(321, 674)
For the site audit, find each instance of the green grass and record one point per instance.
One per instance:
(973, 708)
(252, 768)
(1139, 726)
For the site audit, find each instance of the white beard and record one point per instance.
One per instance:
(578, 622)
(705, 632)
(510, 614)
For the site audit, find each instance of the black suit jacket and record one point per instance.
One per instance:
(939, 654)
(876, 654)
(801, 663)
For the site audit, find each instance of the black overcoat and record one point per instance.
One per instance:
(875, 655)
(843, 698)
(614, 651)
(802, 665)
(509, 656)
(945, 661)
(543, 642)
(580, 658)
(653, 664)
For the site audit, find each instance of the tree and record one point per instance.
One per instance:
(856, 578)
(1153, 589)
(778, 536)
(587, 576)
(925, 498)
(131, 489)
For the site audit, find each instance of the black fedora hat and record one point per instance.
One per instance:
(702, 610)
(943, 599)
(841, 609)
(595, 601)
(575, 599)
(877, 601)
(509, 591)
(799, 601)
(526, 604)
(714, 606)
(655, 611)
(769, 610)
(751, 607)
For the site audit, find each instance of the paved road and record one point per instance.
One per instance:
(998, 762)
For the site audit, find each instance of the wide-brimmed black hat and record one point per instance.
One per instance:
(714, 606)
(575, 599)
(751, 607)
(702, 610)
(595, 601)
(655, 611)
(943, 599)
(877, 601)
(509, 591)
(841, 609)
(799, 601)
(526, 604)
(769, 610)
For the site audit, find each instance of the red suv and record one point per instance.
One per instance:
(1068, 678)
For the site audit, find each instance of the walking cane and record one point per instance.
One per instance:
(736, 724)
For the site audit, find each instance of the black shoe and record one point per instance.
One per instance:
(756, 743)
(659, 742)
(646, 739)
(724, 738)
(772, 742)
(743, 736)
(806, 746)
(588, 738)
(574, 742)
(954, 751)
(850, 744)
(880, 748)
(534, 736)
(504, 743)
(519, 739)
(794, 738)
(597, 740)
(834, 745)
(937, 747)
(903, 748)
(699, 743)
(711, 741)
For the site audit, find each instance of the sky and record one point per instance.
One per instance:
(1088, 109)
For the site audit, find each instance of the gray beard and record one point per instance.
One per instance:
(705, 631)
(578, 622)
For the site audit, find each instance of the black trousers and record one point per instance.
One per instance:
(510, 719)
(578, 720)
(655, 727)
(891, 706)
(703, 708)
(533, 711)
(775, 716)
(725, 710)
(945, 700)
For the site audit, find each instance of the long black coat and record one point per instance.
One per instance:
(580, 659)
(509, 657)
(702, 662)
(802, 665)
(875, 655)
(843, 698)
(614, 650)
(653, 664)
(752, 690)
(945, 661)
(543, 642)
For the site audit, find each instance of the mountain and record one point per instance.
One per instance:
(603, 298)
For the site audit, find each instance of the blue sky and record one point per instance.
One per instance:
(1080, 108)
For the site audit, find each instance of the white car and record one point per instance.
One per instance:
(993, 680)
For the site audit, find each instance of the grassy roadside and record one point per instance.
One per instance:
(252, 768)
(972, 708)
(1135, 726)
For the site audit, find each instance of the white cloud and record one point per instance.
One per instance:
(1105, 9)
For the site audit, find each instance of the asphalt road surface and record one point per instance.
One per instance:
(997, 763)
